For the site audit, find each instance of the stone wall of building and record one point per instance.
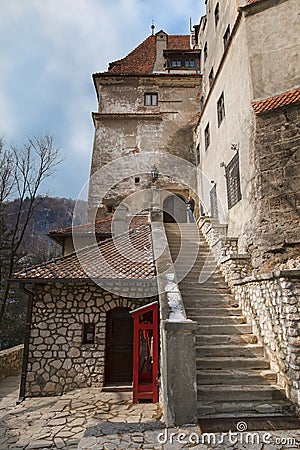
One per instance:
(58, 360)
(11, 361)
(271, 304)
(274, 230)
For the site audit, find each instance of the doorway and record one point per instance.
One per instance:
(119, 346)
(175, 210)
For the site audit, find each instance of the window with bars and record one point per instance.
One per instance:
(88, 335)
(226, 36)
(221, 109)
(214, 203)
(207, 136)
(217, 14)
(151, 99)
(232, 172)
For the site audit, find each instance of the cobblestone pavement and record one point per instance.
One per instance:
(89, 419)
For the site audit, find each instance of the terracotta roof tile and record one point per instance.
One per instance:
(128, 256)
(101, 228)
(250, 2)
(142, 59)
(278, 101)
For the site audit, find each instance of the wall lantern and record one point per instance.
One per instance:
(154, 174)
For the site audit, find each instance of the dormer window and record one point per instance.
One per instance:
(189, 63)
(151, 99)
(176, 62)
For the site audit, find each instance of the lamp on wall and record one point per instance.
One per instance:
(154, 174)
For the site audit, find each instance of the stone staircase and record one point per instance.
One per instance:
(234, 378)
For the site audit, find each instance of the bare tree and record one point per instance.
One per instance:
(22, 172)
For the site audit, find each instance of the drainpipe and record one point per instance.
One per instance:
(26, 344)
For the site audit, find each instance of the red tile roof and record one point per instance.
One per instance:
(278, 101)
(142, 59)
(250, 2)
(128, 256)
(101, 228)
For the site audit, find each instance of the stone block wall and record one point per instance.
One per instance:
(58, 360)
(11, 361)
(275, 227)
(271, 305)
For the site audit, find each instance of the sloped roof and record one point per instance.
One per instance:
(128, 256)
(278, 101)
(142, 59)
(101, 228)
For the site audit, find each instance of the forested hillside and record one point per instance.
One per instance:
(49, 214)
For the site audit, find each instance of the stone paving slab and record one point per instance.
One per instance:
(87, 419)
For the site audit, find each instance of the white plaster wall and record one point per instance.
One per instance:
(274, 48)
(236, 128)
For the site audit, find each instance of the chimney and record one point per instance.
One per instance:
(161, 45)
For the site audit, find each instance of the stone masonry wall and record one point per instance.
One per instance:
(275, 226)
(11, 361)
(58, 360)
(271, 304)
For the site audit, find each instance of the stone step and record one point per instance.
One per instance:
(230, 362)
(230, 339)
(219, 320)
(233, 409)
(224, 329)
(207, 300)
(216, 311)
(239, 393)
(234, 376)
(242, 350)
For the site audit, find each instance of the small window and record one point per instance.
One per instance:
(207, 136)
(189, 63)
(137, 180)
(88, 333)
(221, 109)
(205, 51)
(226, 36)
(201, 103)
(211, 77)
(217, 14)
(176, 62)
(214, 203)
(151, 99)
(197, 155)
(232, 172)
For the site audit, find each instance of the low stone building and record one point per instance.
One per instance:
(79, 330)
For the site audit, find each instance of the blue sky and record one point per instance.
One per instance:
(48, 52)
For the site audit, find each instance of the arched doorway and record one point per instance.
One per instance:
(119, 346)
(175, 210)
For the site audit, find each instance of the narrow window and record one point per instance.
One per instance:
(214, 203)
(88, 336)
(226, 36)
(207, 136)
(217, 14)
(211, 77)
(201, 103)
(151, 99)
(205, 51)
(232, 172)
(197, 155)
(137, 180)
(221, 109)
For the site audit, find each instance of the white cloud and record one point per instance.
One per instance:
(51, 48)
